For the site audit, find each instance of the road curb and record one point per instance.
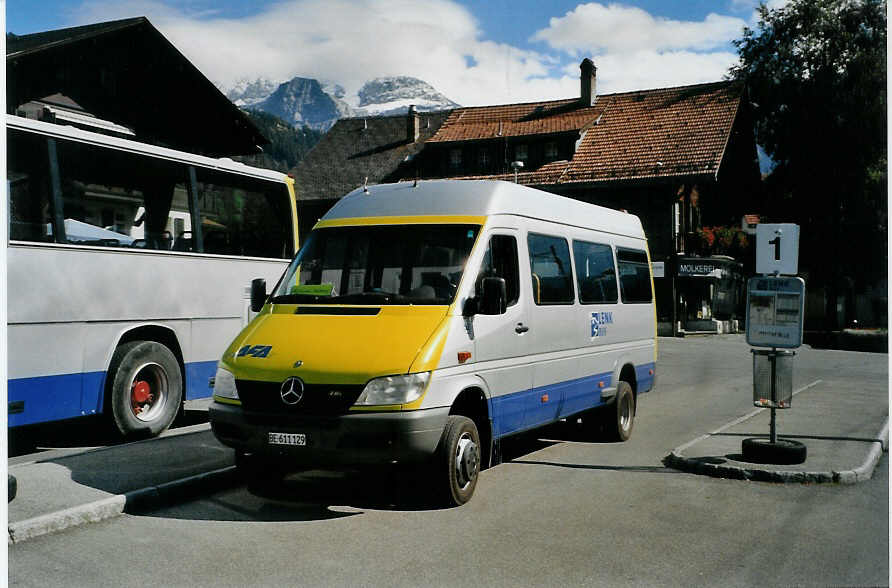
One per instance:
(134, 502)
(709, 466)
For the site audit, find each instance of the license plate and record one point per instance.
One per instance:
(287, 439)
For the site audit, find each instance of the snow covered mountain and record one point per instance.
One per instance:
(394, 95)
(307, 102)
(247, 92)
(303, 102)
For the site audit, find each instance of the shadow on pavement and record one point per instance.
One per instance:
(316, 495)
(91, 431)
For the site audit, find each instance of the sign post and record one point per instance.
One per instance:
(775, 318)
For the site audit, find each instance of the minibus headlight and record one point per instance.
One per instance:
(224, 384)
(394, 389)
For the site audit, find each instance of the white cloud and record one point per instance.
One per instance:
(753, 5)
(598, 28)
(439, 41)
(643, 70)
(350, 42)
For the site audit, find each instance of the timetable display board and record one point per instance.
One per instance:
(775, 311)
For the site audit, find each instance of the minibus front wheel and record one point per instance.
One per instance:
(458, 459)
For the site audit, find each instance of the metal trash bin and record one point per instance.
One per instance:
(783, 378)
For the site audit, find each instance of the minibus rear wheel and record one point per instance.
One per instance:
(619, 415)
(458, 459)
(146, 388)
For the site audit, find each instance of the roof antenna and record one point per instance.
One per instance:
(365, 185)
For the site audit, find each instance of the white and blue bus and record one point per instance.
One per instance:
(127, 265)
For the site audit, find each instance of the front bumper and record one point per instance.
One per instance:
(353, 439)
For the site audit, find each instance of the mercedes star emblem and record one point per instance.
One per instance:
(292, 391)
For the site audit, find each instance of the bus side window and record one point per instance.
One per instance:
(112, 198)
(28, 176)
(550, 267)
(243, 216)
(500, 261)
(595, 272)
(634, 275)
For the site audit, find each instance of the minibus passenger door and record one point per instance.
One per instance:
(501, 341)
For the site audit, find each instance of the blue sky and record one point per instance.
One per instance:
(486, 52)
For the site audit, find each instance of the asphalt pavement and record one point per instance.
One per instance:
(56, 491)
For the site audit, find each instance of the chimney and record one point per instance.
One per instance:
(413, 124)
(588, 83)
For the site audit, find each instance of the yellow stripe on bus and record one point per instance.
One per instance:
(403, 220)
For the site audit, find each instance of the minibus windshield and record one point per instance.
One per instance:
(380, 264)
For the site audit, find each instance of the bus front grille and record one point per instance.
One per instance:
(317, 399)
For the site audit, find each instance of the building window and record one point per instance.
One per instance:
(483, 159)
(521, 152)
(551, 151)
(455, 158)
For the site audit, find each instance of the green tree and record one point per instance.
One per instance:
(287, 144)
(815, 72)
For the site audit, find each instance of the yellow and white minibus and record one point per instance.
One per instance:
(423, 323)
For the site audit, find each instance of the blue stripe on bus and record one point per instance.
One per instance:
(519, 411)
(645, 375)
(197, 375)
(53, 398)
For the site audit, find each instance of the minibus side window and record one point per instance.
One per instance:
(550, 267)
(634, 275)
(595, 272)
(500, 261)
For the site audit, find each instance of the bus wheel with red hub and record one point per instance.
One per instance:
(146, 388)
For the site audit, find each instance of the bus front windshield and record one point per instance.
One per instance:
(381, 264)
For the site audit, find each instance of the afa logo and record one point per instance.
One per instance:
(258, 351)
(599, 320)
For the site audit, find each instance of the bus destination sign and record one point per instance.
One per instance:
(775, 311)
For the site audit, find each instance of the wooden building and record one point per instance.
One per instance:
(680, 158)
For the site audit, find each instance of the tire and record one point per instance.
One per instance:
(146, 388)
(458, 460)
(13, 487)
(785, 451)
(619, 415)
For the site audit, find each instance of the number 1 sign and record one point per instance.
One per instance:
(777, 249)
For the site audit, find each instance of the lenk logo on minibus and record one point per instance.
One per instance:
(599, 319)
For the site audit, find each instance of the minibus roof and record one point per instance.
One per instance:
(480, 198)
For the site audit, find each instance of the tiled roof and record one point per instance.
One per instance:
(633, 135)
(515, 120)
(356, 150)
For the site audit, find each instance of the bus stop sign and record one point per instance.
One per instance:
(777, 249)
(775, 310)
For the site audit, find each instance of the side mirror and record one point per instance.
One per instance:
(258, 294)
(494, 297)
